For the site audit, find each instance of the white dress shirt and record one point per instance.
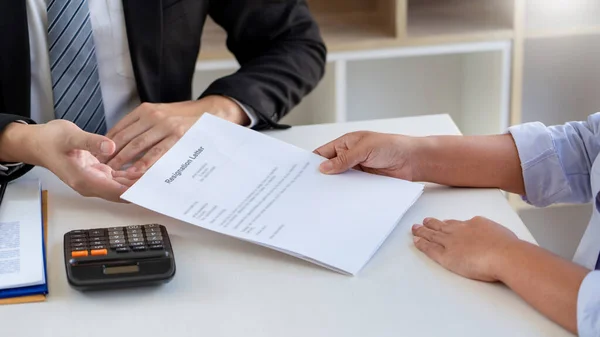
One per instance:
(117, 81)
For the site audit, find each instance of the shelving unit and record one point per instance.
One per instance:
(405, 57)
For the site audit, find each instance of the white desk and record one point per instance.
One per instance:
(225, 287)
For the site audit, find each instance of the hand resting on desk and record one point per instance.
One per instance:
(478, 248)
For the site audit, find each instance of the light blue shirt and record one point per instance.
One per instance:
(561, 165)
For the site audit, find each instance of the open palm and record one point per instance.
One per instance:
(70, 155)
(95, 177)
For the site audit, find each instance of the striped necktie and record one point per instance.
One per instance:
(73, 65)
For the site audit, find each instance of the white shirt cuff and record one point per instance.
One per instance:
(251, 116)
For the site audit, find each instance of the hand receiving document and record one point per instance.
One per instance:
(235, 181)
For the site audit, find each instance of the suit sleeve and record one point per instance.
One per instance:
(12, 171)
(280, 50)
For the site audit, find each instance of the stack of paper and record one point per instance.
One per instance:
(22, 256)
(241, 183)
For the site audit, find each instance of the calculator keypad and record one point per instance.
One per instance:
(99, 242)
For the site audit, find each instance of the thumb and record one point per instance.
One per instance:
(96, 144)
(343, 161)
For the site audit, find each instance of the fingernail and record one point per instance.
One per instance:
(416, 226)
(105, 147)
(426, 220)
(326, 166)
(416, 239)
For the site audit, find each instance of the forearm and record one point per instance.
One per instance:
(547, 282)
(469, 161)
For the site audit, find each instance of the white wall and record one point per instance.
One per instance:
(558, 229)
(561, 79)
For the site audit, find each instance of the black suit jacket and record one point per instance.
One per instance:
(276, 42)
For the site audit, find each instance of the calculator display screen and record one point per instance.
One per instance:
(121, 270)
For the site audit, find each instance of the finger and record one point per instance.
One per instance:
(126, 121)
(329, 150)
(344, 161)
(127, 175)
(453, 222)
(429, 234)
(137, 146)
(93, 143)
(125, 182)
(433, 224)
(126, 136)
(451, 226)
(433, 250)
(154, 154)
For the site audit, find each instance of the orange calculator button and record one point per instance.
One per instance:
(96, 252)
(80, 253)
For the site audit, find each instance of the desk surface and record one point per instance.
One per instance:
(226, 287)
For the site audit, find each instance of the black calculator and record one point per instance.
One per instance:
(116, 257)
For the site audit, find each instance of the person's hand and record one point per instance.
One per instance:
(68, 152)
(149, 131)
(378, 153)
(473, 248)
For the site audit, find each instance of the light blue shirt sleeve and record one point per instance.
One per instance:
(588, 306)
(557, 160)
(557, 163)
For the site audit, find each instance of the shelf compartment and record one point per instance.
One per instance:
(466, 86)
(344, 25)
(459, 20)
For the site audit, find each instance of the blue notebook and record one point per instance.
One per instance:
(22, 241)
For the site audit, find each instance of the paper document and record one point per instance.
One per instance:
(235, 181)
(21, 249)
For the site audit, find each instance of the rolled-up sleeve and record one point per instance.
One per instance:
(588, 306)
(557, 160)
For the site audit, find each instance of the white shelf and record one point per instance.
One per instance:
(468, 81)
